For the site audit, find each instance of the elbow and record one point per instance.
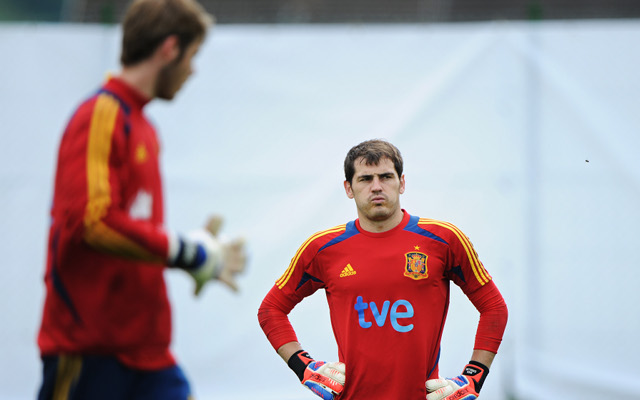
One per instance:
(265, 312)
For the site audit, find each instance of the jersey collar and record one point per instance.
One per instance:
(399, 227)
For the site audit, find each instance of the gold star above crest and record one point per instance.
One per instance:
(416, 247)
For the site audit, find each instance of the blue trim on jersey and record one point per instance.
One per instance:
(125, 107)
(436, 364)
(57, 281)
(306, 278)
(350, 231)
(458, 271)
(412, 226)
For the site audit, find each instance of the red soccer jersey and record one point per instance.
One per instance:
(105, 287)
(388, 295)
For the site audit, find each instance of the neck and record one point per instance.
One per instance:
(142, 77)
(381, 226)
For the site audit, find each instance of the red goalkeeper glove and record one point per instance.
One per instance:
(463, 387)
(322, 378)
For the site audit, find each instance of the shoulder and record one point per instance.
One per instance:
(308, 251)
(100, 107)
(108, 103)
(444, 231)
(321, 239)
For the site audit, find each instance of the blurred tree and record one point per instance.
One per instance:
(335, 11)
(30, 10)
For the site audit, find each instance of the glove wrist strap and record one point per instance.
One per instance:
(298, 363)
(190, 255)
(478, 371)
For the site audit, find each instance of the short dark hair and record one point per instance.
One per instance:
(372, 151)
(147, 23)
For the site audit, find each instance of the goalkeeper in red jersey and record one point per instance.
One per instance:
(386, 277)
(106, 323)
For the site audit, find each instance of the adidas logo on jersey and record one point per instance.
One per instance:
(347, 271)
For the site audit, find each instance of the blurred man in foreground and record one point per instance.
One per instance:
(106, 324)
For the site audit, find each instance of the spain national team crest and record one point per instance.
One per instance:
(416, 266)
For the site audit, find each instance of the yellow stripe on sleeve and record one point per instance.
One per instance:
(479, 271)
(103, 237)
(97, 233)
(287, 274)
(101, 129)
(67, 374)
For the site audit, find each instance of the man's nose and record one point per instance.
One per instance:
(376, 184)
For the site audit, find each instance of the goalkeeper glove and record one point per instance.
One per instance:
(205, 257)
(463, 387)
(324, 379)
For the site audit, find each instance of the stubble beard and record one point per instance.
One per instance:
(165, 86)
(379, 213)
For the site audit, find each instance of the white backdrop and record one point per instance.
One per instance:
(523, 135)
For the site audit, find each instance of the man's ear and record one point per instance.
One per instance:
(169, 49)
(348, 190)
(402, 183)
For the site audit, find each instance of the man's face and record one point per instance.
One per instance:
(376, 190)
(174, 75)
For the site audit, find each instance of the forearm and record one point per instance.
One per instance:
(288, 349)
(272, 316)
(493, 319)
(483, 357)
(126, 238)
